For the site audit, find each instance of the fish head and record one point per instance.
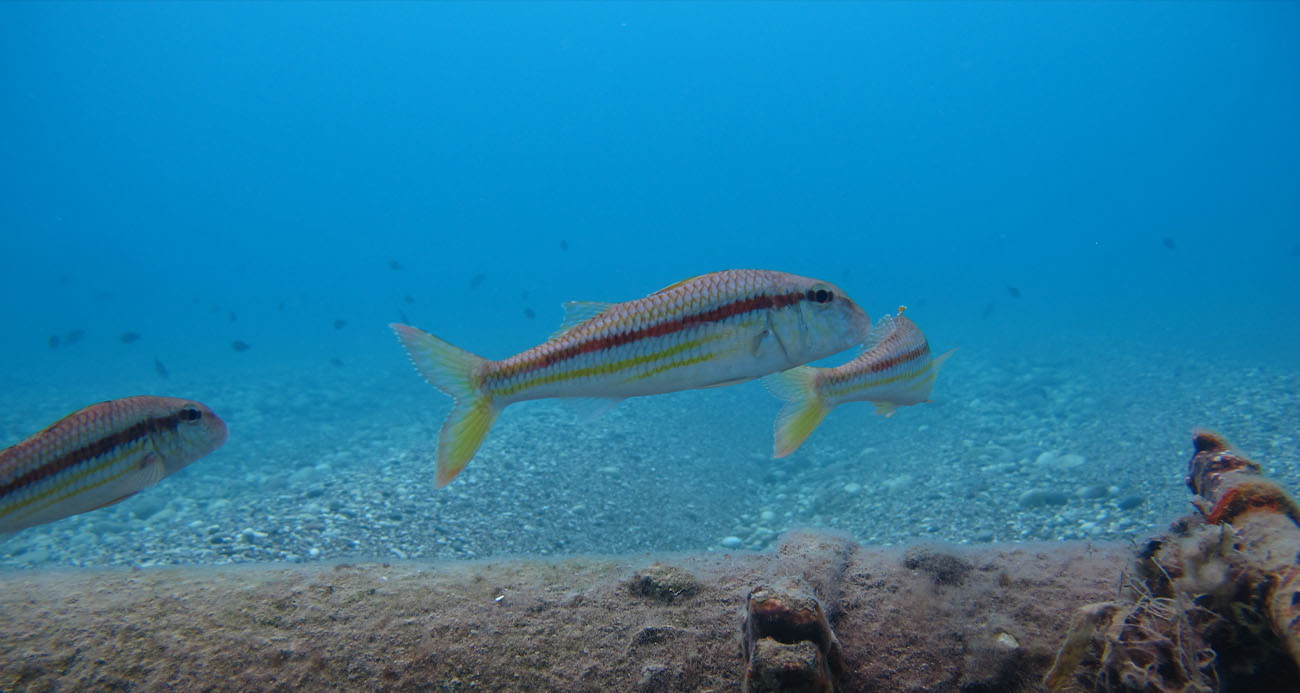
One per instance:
(198, 432)
(822, 322)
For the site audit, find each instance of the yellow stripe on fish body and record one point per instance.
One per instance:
(100, 455)
(895, 369)
(715, 329)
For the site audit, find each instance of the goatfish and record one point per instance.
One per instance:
(894, 369)
(101, 455)
(712, 330)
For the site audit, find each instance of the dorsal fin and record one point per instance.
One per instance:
(578, 312)
(674, 285)
(879, 331)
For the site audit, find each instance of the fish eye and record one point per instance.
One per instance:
(190, 414)
(820, 294)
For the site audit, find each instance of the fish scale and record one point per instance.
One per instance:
(716, 329)
(894, 369)
(100, 455)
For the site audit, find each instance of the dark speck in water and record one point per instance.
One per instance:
(1169, 243)
(340, 324)
(528, 313)
(160, 368)
(408, 299)
(336, 362)
(1013, 292)
(988, 310)
(53, 341)
(394, 265)
(239, 345)
(477, 280)
(128, 337)
(232, 317)
(74, 336)
(402, 315)
(564, 245)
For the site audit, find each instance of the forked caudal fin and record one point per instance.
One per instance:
(804, 410)
(452, 370)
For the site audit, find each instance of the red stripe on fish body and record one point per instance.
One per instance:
(100, 455)
(714, 329)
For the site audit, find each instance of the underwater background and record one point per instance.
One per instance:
(1097, 203)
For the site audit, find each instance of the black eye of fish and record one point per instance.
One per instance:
(190, 414)
(820, 295)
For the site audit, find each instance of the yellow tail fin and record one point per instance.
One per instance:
(452, 370)
(804, 410)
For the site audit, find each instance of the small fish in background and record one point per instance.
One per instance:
(74, 336)
(232, 316)
(1013, 292)
(101, 455)
(336, 362)
(239, 345)
(340, 323)
(528, 313)
(564, 246)
(402, 314)
(129, 337)
(477, 280)
(708, 331)
(408, 299)
(1168, 242)
(394, 265)
(988, 310)
(160, 369)
(895, 369)
(53, 341)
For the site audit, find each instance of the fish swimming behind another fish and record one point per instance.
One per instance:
(715, 329)
(895, 369)
(100, 455)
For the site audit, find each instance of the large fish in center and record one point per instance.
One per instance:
(715, 329)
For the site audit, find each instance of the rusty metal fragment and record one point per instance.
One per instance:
(789, 643)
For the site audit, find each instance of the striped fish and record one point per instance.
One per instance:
(100, 455)
(893, 370)
(716, 329)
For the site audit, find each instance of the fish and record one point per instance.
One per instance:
(712, 330)
(477, 280)
(53, 341)
(1013, 292)
(529, 313)
(894, 369)
(1168, 242)
(340, 324)
(160, 368)
(75, 336)
(128, 337)
(239, 345)
(564, 245)
(232, 316)
(100, 455)
(336, 362)
(394, 265)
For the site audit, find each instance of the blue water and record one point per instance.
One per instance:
(1057, 186)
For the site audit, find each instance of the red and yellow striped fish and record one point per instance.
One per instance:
(100, 455)
(893, 370)
(716, 329)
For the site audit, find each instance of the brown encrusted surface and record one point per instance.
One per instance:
(576, 624)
